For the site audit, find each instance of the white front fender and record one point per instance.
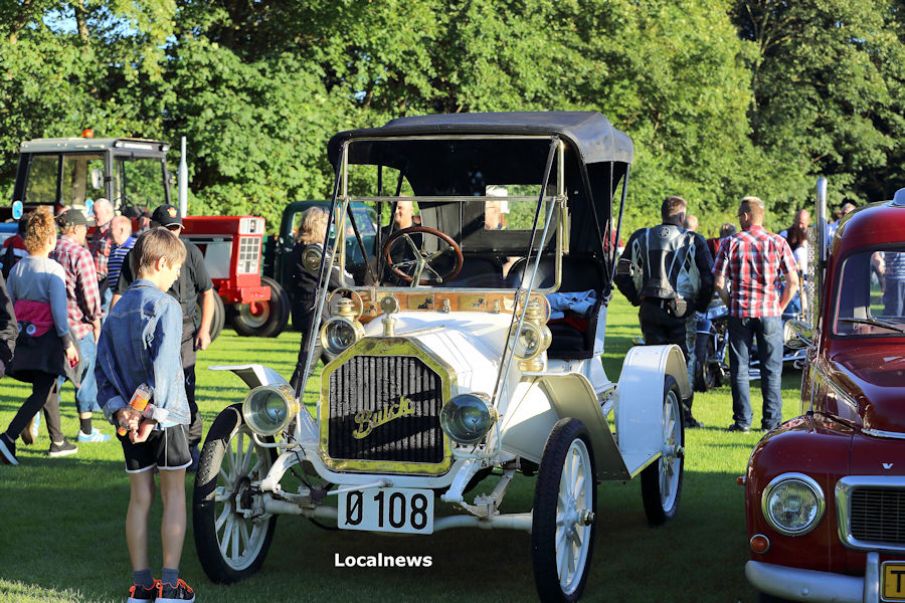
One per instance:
(639, 401)
(253, 375)
(539, 402)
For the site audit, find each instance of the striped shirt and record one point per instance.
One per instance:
(895, 265)
(752, 262)
(82, 295)
(115, 263)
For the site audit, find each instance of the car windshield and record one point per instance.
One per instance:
(871, 299)
(469, 244)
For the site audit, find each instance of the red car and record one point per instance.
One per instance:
(825, 492)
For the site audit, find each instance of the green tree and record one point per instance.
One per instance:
(827, 81)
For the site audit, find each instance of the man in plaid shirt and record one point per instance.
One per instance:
(101, 245)
(747, 270)
(84, 309)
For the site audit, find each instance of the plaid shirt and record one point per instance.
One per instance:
(752, 261)
(100, 245)
(83, 299)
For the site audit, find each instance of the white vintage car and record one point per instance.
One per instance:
(472, 345)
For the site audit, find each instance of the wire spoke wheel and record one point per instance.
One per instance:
(565, 502)
(240, 536)
(232, 532)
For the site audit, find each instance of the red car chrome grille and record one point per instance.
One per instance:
(878, 515)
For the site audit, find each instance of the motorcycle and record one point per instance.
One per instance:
(711, 360)
(713, 341)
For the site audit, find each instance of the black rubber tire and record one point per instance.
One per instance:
(219, 317)
(705, 373)
(225, 426)
(650, 477)
(275, 319)
(546, 494)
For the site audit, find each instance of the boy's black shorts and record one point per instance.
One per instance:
(167, 449)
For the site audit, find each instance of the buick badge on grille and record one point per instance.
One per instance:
(368, 420)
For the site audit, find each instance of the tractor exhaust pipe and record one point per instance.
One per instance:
(182, 178)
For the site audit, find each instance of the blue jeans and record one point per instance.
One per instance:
(106, 296)
(86, 393)
(768, 332)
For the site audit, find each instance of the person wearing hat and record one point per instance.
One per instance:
(193, 283)
(83, 304)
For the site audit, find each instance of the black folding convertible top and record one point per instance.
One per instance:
(503, 149)
(588, 132)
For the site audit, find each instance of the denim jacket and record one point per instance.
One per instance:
(139, 343)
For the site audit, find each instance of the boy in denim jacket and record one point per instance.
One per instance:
(139, 344)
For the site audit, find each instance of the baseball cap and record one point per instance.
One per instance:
(166, 215)
(74, 217)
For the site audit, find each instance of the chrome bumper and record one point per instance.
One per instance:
(809, 585)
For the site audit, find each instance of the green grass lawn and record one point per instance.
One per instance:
(62, 520)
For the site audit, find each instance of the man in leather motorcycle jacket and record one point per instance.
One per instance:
(666, 270)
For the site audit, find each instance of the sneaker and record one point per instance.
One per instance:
(8, 450)
(173, 594)
(64, 448)
(737, 427)
(140, 593)
(95, 436)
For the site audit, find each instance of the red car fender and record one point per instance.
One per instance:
(819, 448)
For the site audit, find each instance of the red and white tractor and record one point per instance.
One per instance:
(66, 172)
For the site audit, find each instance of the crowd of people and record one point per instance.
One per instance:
(671, 272)
(113, 313)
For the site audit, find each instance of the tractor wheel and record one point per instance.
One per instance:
(263, 319)
(219, 316)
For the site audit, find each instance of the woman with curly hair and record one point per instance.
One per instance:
(45, 349)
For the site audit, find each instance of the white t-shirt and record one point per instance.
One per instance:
(801, 257)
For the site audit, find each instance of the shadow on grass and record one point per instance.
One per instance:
(678, 562)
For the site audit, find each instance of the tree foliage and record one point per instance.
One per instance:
(722, 97)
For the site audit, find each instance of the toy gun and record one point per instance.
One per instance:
(139, 402)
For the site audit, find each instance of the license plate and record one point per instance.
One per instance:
(892, 582)
(387, 510)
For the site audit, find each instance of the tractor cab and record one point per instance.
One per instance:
(67, 172)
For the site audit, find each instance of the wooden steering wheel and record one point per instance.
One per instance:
(413, 270)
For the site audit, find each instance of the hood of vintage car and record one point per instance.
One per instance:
(875, 378)
(472, 343)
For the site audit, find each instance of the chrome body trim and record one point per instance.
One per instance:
(806, 480)
(879, 433)
(844, 488)
(810, 585)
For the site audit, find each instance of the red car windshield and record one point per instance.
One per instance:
(871, 298)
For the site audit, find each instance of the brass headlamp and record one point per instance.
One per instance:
(343, 330)
(534, 338)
